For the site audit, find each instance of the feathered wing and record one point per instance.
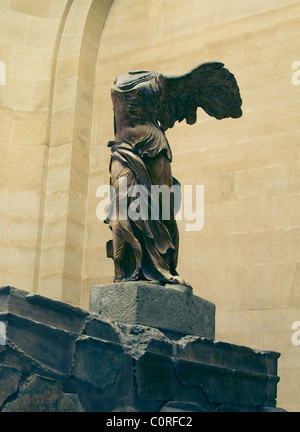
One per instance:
(210, 86)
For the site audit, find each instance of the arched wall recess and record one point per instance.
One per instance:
(58, 267)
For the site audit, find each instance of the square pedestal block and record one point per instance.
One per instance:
(169, 308)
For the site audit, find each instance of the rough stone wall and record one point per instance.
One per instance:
(59, 358)
(53, 134)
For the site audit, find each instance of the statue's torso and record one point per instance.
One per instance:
(135, 112)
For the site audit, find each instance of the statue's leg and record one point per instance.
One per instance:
(160, 172)
(123, 238)
(119, 249)
(127, 251)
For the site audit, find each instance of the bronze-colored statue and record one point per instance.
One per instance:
(146, 104)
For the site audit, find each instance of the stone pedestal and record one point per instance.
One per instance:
(59, 358)
(171, 308)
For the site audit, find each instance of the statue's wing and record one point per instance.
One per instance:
(210, 86)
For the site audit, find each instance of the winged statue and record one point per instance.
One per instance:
(145, 105)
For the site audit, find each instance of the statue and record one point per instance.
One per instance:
(146, 104)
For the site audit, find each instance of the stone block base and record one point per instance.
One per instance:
(58, 358)
(170, 308)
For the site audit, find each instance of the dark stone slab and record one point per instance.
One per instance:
(42, 394)
(9, 382)
(97, 364)
(182, 407)
(42, 309)
(171, 308)
(101, 329)
(154, 377)
(242, 388)
(50, 346)
(227, 355)
(138, 339)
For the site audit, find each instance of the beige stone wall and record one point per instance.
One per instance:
(49, 49)
(28, 36)
(56, 117)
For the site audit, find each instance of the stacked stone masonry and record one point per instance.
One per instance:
(60, 358)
